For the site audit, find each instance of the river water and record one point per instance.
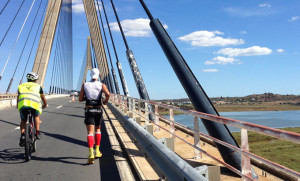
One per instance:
(273, 119)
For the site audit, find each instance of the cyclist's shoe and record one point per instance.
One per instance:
(98, 153)
(91, 158)
(22, 141)
(38, 135)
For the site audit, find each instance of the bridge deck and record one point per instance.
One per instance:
(62, 152)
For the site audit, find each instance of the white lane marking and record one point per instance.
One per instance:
(58, 107)
(17, 128)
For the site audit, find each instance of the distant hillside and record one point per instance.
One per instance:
(255, 102)
(255, 98)
(259, 98)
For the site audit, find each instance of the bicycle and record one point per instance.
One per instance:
(30, 136)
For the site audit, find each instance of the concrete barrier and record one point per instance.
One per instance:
(7, 103)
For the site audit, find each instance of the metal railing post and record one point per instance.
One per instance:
(246, 165)
(146, 114)
(172, 125)
(120, 103)
(197, 153)
(156, 119)
(139, 107)
(133, 107)
(129, 104)
(125, 103)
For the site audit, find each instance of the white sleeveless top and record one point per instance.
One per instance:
(92, 90)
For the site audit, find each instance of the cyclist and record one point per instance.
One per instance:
(92, 92)
(29, 98)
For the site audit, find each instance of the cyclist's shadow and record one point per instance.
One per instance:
(16, 156)
(12, 156)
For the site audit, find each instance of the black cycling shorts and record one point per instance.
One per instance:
(93, 116)
(24, 111)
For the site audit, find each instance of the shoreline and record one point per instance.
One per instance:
(178, 113)
(241, 108)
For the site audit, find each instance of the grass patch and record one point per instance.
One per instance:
(279, 151)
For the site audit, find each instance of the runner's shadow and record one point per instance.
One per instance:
(65, 114)
(12, 156)
(66, 138)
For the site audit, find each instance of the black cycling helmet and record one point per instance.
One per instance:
(32, 76)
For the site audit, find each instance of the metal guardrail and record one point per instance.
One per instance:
(171, 165)
(137, 106)
(4, 95)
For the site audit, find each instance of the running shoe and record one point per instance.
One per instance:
(98, 153)
(91, 158)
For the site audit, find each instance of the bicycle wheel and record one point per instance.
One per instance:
(28, 142)
(33, 140)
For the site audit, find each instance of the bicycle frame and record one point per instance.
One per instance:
(30, 139)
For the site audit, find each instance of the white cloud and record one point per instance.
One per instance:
(210, 70)
(295, 18)
(134, 27)
(209, 38)
(251, 51)
(221, 60)
(264, 5)
(77, 7)
(280, 50)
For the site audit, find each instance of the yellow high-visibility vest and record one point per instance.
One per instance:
(29, 96)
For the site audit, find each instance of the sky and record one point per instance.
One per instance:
(234, 48)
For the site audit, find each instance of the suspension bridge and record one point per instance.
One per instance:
(138, 143)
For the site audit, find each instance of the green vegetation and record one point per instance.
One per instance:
(255, 102)
(282, 152)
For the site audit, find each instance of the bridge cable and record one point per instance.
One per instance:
(17, 39)
(64, 53)
(140, 85)
(4, 7)
(121, 29)
(52, 74)
(55, 63)
(11, 23)
(108, 77)
(93, 56)
(121, 74)
(11, 81)
(108, 50)
(57, 58)
(33, 43)
(194, 90)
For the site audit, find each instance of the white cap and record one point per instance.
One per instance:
(95, 73)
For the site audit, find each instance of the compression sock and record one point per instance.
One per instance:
(97, 138)
(90, 140)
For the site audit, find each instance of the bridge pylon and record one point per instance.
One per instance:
(88, 59)
(97, 41)
(46, 40)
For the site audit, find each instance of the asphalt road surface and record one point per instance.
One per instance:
(61, 153)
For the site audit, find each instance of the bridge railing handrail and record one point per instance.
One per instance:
(280, 134)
